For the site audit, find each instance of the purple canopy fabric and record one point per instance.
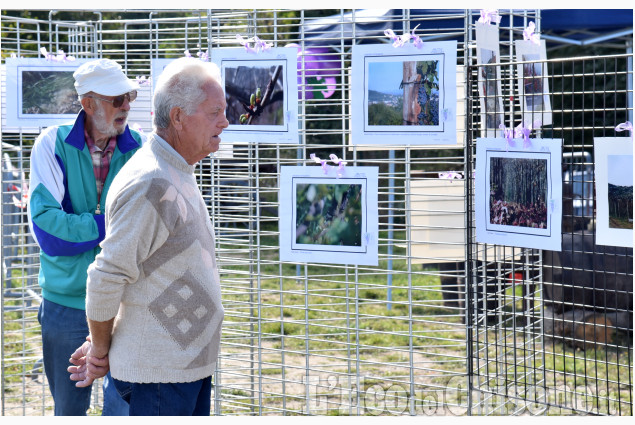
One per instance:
(320, 70)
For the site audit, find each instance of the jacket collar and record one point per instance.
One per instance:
(125, 141)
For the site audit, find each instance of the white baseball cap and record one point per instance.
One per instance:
(102, 76)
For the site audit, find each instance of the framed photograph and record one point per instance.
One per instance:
(489, 79)
(40, 93)
(533, 82)
(614, 191)
(329, 219)
(261, 93)
(519, 193)
(404, 96)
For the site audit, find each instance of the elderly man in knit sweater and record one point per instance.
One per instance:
(153, 295)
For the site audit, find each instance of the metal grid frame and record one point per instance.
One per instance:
(310, 338)
(558, 338)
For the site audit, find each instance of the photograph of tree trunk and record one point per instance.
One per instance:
(493, 113)
(403, 93)
(518, 192)
(329, 214)
(620, 191)
(532, 83)
(255, 95)
(49, 92)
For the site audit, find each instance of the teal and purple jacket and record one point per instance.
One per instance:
(62, 205)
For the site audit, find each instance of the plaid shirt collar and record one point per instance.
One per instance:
(92, 147)
(101, 163)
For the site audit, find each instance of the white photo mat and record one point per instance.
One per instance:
(157, 65)
(534, 78)
(489, 79)
(493, 159)
(294, 181)
(437, 220)
(240, 72)
(613, 165)
(39, 93)
(382, 76)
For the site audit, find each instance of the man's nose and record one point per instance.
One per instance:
(125, 105)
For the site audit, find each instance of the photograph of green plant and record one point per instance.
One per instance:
(329, 214)
(49, 92)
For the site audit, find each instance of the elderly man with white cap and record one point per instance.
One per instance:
(72, 167)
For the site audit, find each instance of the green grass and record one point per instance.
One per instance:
(335, 313)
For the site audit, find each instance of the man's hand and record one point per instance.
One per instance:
(90, 364)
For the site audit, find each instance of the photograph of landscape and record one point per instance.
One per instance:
(620, 191)
(403, 93)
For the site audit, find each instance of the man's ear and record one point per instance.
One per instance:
(176, 117)
(88, 105)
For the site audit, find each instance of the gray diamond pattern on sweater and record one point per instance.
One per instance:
(181, 315)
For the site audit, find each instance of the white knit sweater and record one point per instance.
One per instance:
(157, 272)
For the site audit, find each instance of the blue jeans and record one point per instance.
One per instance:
(64, 329)
(167, 399)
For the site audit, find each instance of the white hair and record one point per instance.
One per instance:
(180, 85)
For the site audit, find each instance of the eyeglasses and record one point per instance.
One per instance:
(117, 101)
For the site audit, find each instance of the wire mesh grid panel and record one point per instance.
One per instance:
(311, 338)
(552, 329)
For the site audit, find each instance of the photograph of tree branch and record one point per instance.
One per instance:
(255, 94)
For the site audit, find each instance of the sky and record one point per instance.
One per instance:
(385, 77)
(620, 170)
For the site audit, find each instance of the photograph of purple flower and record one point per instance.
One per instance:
(320, 67)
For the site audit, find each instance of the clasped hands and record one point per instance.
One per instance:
(89, 364)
